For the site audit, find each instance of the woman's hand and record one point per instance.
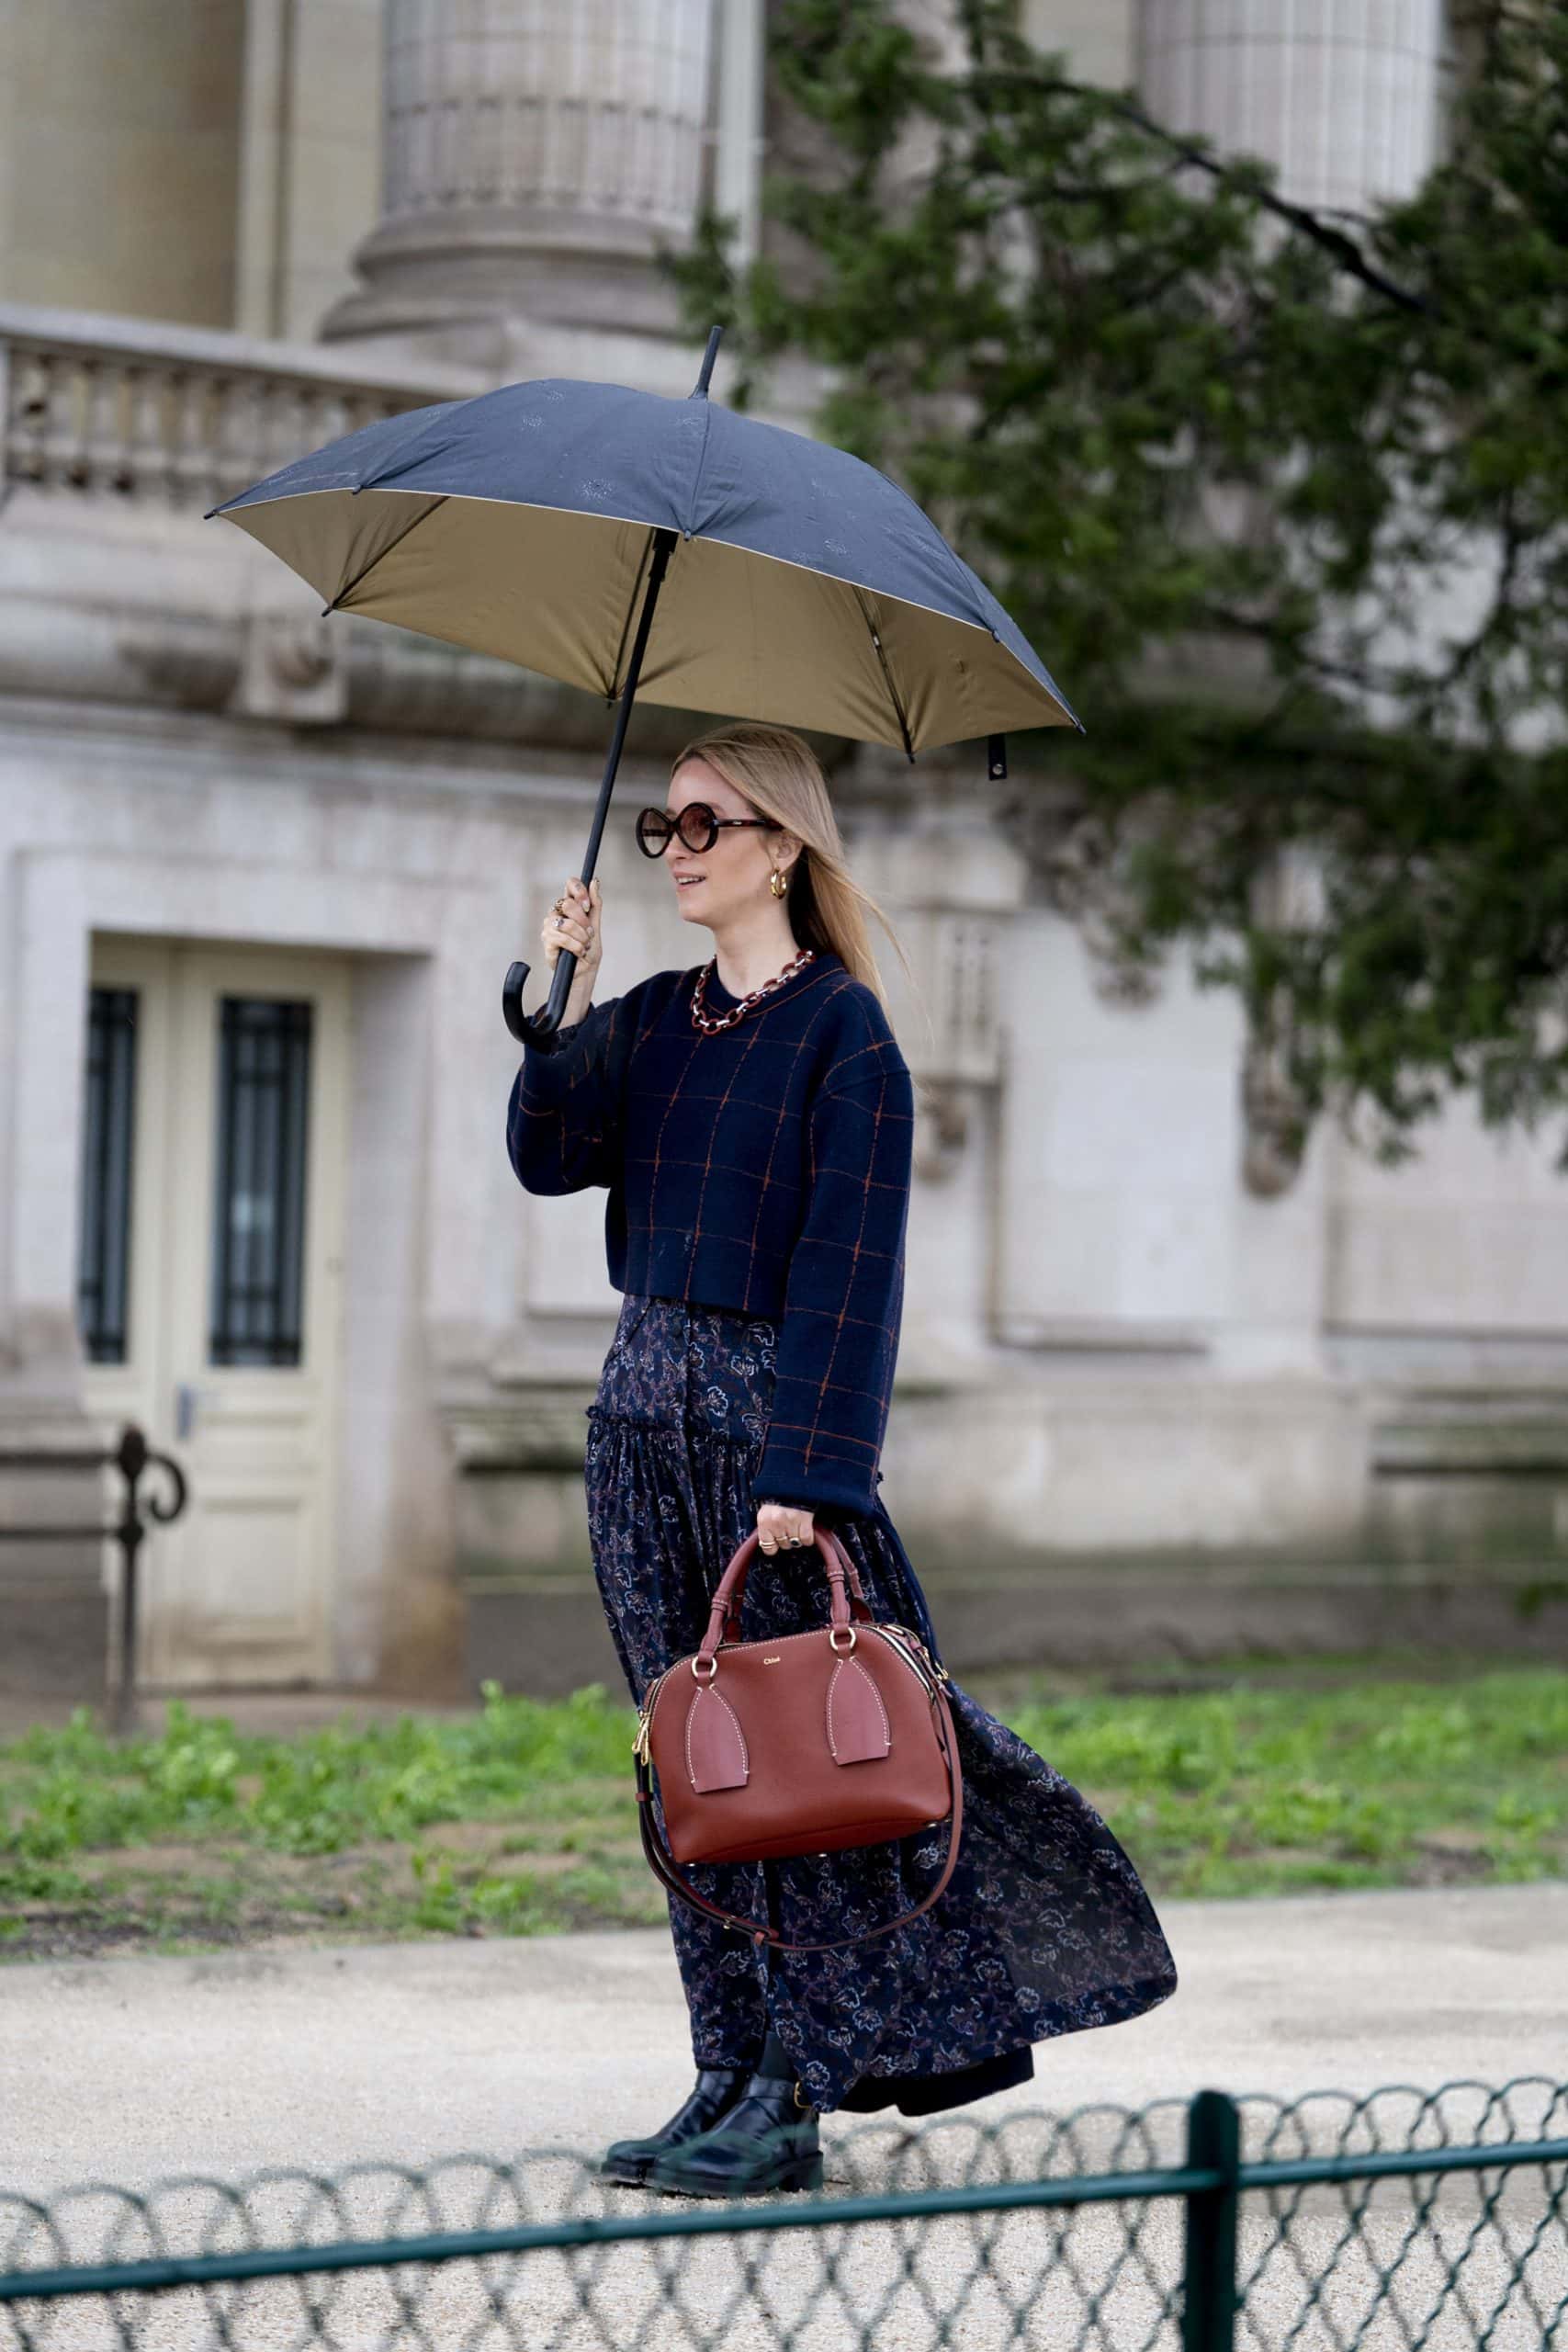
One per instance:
(575, 922)
(783, 1526)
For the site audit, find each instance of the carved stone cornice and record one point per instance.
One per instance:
(538, 1427)
(942, 1129)
(294, 669)
(133, 621)
(1275, 1124)
(1286, 896)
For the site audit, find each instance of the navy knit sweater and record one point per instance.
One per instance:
(766, 1169)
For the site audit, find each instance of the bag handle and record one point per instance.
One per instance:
(665, 1867)
(723, 1616)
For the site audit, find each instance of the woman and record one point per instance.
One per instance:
(752, 1121)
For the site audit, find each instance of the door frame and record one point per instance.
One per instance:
(180, 982)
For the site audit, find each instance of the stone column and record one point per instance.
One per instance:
(537, 152)
(1340, 95)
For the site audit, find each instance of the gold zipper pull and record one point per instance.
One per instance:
(935, 1664)
(645, 1719)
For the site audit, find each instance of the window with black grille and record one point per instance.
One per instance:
(258, 1224)
(102, 1250)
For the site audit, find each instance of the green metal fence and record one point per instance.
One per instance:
(1421, 2220)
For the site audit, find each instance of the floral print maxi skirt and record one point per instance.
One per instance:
(1045, 1928)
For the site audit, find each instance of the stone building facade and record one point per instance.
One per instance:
(261, 874)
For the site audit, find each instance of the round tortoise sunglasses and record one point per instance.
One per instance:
(697, 825)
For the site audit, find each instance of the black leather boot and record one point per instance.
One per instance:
(717, 2090)
(768, 2140)
(929, 2094)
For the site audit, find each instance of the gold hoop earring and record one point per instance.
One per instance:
(778, 883)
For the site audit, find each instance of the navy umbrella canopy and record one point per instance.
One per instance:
(629, 543)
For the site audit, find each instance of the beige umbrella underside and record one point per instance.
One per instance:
(748, 635)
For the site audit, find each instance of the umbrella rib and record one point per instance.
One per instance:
(614, 694)
(392, 547)
(886, 674)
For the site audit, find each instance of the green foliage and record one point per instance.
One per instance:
(63, 1790)
(1252, 1790)
(1245, 1791)
(1281, 496)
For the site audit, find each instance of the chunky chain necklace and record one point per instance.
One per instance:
(710, 1024)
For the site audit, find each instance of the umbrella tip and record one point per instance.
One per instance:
(700, 390)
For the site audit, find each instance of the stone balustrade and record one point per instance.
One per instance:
(173, 416)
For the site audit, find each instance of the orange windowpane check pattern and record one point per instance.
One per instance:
(766, 1169)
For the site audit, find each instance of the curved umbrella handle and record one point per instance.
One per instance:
(537, 1028)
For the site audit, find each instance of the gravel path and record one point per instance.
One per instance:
(132, 2071)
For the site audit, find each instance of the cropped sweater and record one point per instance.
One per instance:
(765, 1169)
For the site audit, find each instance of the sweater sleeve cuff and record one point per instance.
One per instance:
(824, 1492)
(548, 1076)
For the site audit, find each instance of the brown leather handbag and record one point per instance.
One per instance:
(802, 1743)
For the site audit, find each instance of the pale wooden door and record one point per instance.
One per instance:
(231, 1278)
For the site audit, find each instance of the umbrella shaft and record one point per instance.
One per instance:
(566, 963)
(664, 541)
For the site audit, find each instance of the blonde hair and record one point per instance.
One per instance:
(779, 773)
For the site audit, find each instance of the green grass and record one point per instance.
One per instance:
(326, 1831)
(520, 1819)
(1253, 1791)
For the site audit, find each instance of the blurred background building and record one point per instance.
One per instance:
(261, 874)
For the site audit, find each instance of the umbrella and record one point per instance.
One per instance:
(550, 521)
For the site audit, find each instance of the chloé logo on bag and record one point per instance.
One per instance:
(770, 1661)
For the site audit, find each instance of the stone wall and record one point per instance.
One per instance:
(207, 163)
(118, 156)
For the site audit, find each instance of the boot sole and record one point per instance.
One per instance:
(630, 2174)
(798, 2173)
